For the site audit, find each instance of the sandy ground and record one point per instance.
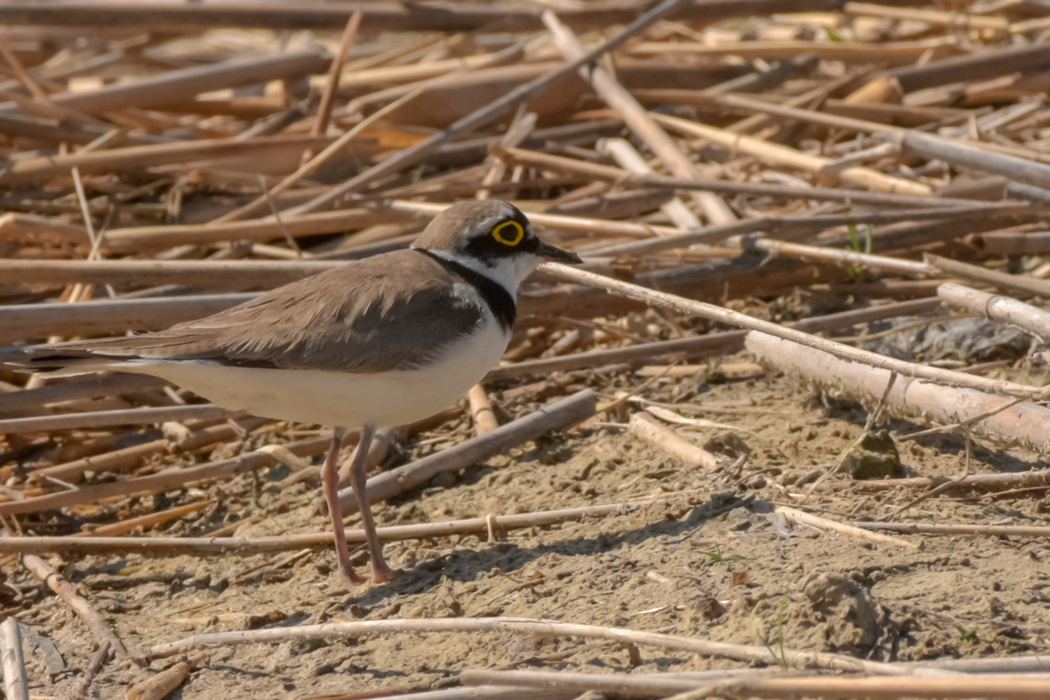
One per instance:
(709, 561)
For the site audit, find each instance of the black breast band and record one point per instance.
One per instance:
(499, 300)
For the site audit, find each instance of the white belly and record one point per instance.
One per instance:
(338, 399)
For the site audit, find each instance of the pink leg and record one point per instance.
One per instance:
(380, 571)
(330, 475)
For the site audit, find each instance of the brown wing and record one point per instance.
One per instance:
(382, 314)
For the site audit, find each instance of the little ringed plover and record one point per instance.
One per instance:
(382, 341)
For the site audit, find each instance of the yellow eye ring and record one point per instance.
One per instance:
(519, 233)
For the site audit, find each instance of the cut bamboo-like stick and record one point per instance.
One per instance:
(481, 410)
(959, 529)
(628, 158)
(1033, 243)
(818, 165)
(956, 20)
(561, 414)
(85, 544)
(546, 628)
(645, 426)
(997, 308)
(1012, 283)
(636, 118)
(816, 521)
(16, 680)
(825, 347)
(1025, 423)
(100, 419)
(163, 481)
(65, 590)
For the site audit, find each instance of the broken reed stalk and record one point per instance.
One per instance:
(996, 308)
(559, 415)
(101, 419)
(760, 685)
(1011, 283)
(544, 628)
(645, 426)
(798, 516)
(826, 347)
(414, 154)
(634, 115)
(1025, 423)
(164, 480)
(959, 529)
(493, 526)
(16, 680)
(622, 684)
(1036, 479)
(65, 590)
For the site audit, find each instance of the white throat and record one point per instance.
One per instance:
(508, 273)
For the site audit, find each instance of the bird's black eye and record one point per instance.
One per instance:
(509, 233)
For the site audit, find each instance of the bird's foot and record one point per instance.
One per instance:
(381, 572)
(351, 578)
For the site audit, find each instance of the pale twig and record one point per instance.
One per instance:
(645, 426)
(16, 680)
(485, 115)
(954, 529)
(546, 628)
(99, 658)
(238, 546)
(57, 583)
(324, 110)
(848, 530)
(843, 352)
(560, 414)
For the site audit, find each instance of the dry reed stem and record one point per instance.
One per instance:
(959, 529)
(491, 525)
(842, 352)
(760, 685)
(16, 680)
(1013, 283)
(817, 165)
(483, 116)
(547, 628)
(65, 590)
(634, 115)
(798, 516)
(558, 415)
(101, 419)
(1026, 423)
(996, 308)
(645, 426)
(481, 411)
